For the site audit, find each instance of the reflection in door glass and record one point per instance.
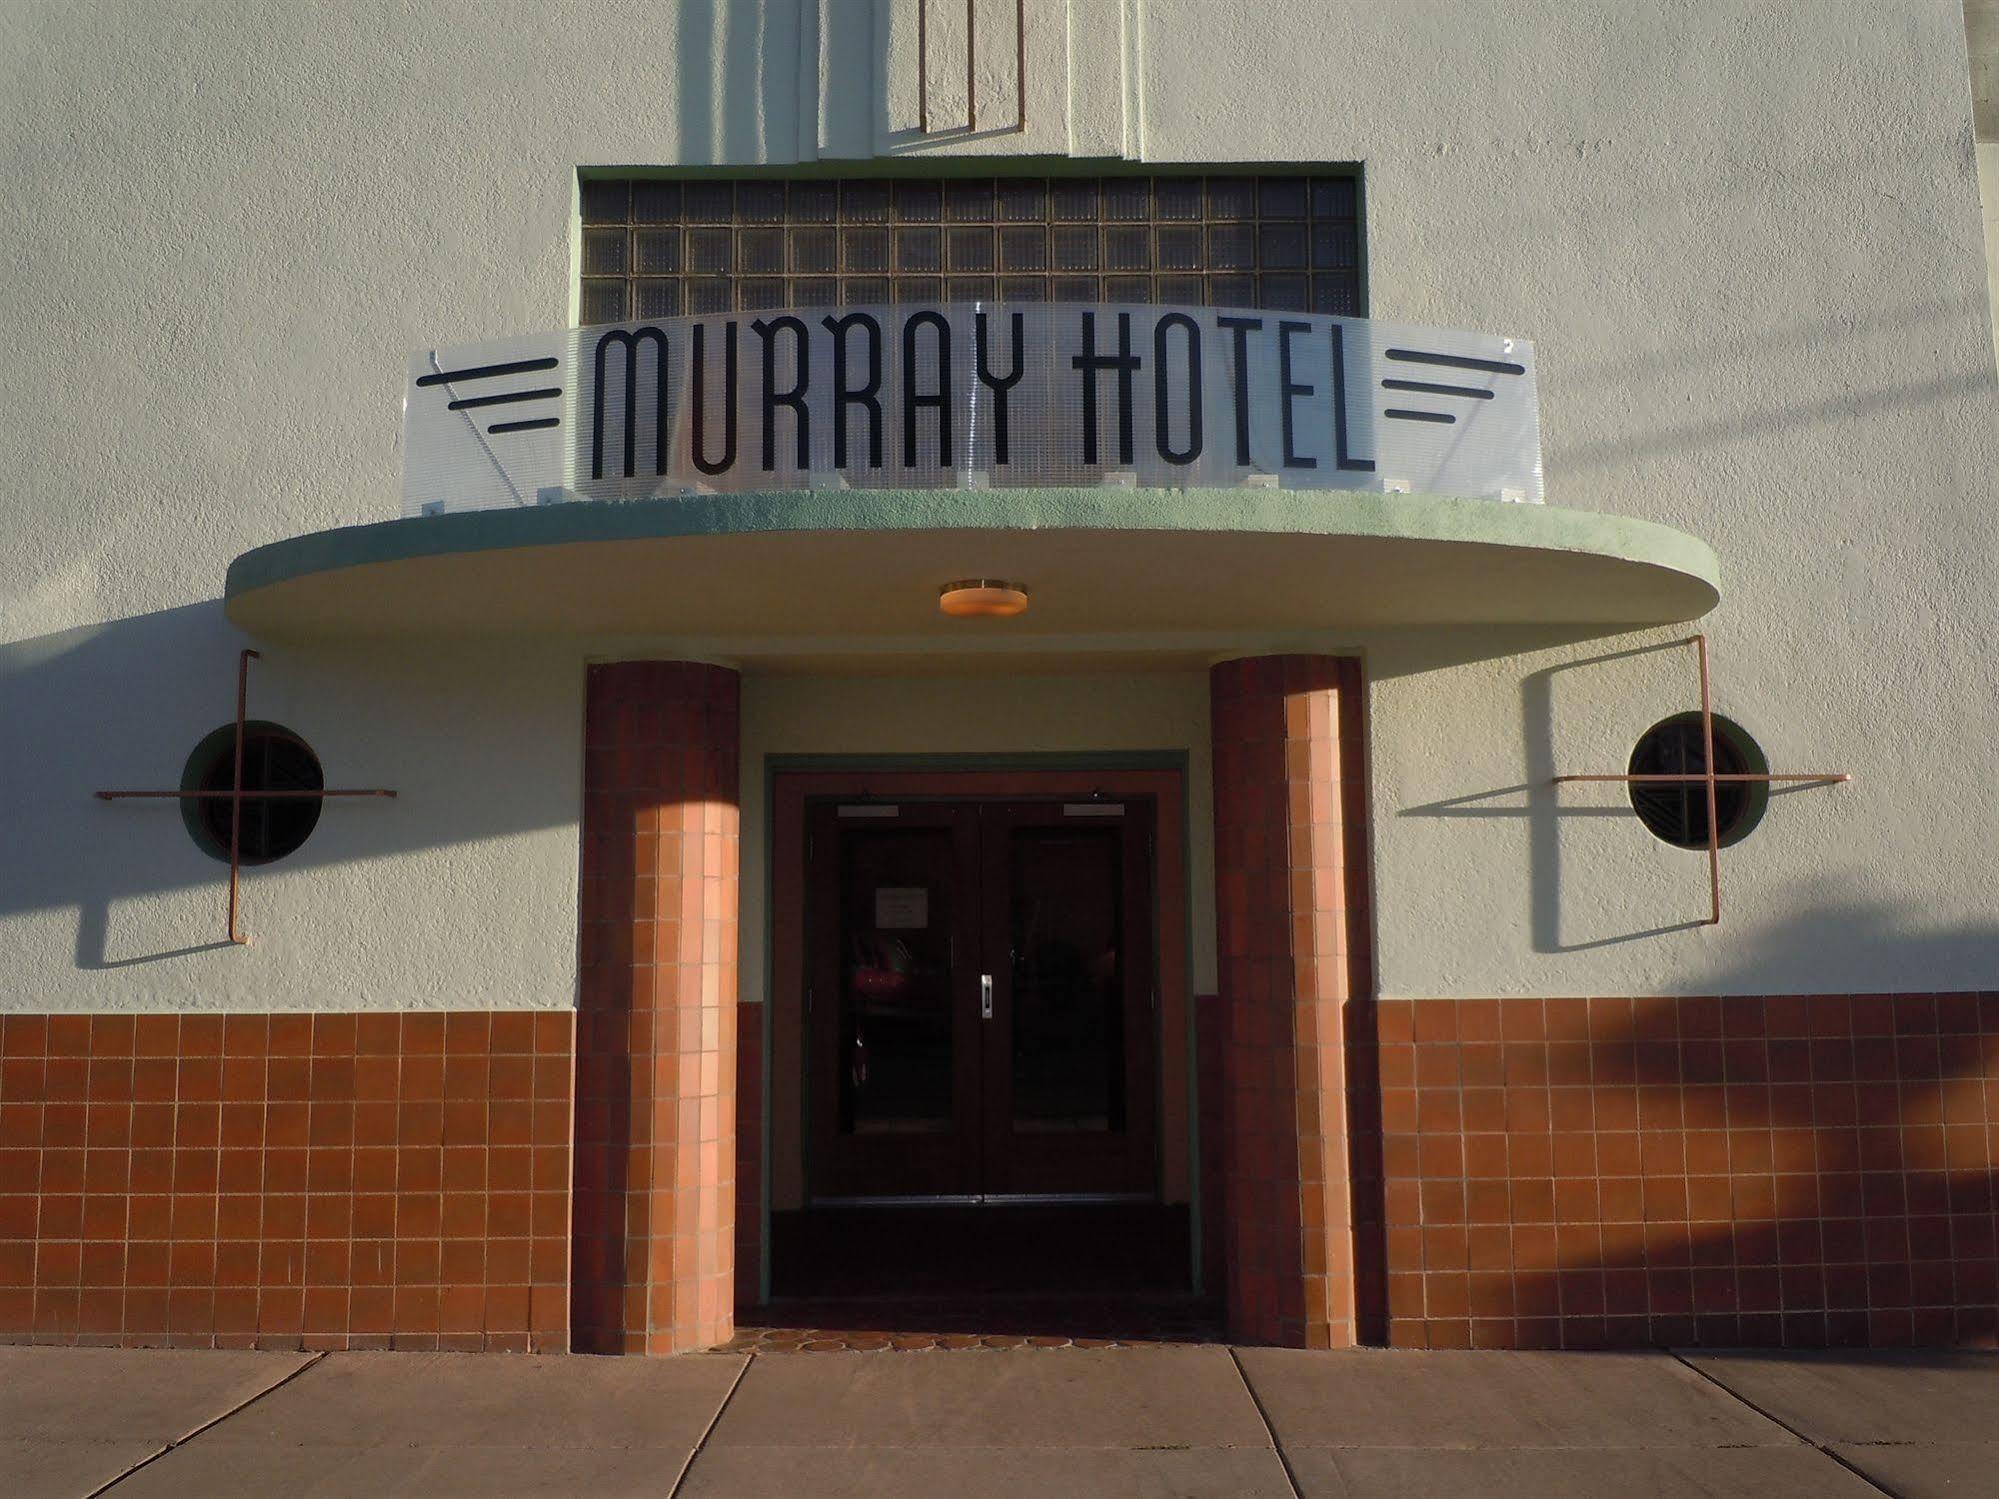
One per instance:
(895, 980)
(1068, 1010)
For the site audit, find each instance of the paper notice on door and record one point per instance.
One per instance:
(900, 908)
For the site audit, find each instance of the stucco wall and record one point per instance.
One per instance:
(459, 894)
(1758, 294)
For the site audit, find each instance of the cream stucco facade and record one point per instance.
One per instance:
(1761, 318)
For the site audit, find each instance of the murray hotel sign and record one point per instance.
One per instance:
(971, 395)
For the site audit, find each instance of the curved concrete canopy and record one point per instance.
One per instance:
(868, 563)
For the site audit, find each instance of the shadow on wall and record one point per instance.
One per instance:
(480, 739)
(725, 62)
(480, 742)
(1843, 406)
(1545, 807)
(742, 82)
(120, 704)
(1798, 1171)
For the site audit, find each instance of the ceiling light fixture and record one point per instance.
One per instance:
(991, 598)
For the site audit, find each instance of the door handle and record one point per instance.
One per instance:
(985, 996)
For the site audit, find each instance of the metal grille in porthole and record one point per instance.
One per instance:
(1677, 814)
(667, 248)
(274, 759)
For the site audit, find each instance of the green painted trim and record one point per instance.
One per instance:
(1219, 512)
(969, 166)
(973, 761)
(1197, 1268)
(1363, 243)
(766, 1124)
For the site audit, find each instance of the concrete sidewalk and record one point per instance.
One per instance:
(1165, 1420)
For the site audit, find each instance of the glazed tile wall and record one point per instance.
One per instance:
(1796, 1170)
(1291, 913)
(286, 1180)
(654, 1231)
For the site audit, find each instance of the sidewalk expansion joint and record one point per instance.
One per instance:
(207, 1425)
(707, 1431)
(1780, 1422)
(1283, 1458)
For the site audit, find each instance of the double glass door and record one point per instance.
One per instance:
(980, 999)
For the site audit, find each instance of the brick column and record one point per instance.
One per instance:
(654, 1206)
(1291, 892)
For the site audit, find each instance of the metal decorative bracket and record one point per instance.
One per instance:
(1711, 780)
(236, 795)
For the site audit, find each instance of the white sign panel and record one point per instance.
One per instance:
(971, 395)
(901, 908)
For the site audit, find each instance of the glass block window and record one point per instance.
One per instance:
(657, 247)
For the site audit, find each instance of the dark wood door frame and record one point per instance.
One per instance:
(965, 851)
(793, 782)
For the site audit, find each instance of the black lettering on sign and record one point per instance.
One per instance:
(938, 400)
(1124, 362)
(1346, 460)
(700, 375)
(794, 398)
(1291, 389)
(845, 394)
(630, 342)
(1241, 327)
(1161, 403)
(999, 387)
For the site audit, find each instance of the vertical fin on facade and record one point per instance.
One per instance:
(982, 77)
(1981, 34)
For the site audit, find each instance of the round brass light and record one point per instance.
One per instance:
(990, 598)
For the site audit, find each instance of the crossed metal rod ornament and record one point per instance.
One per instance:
(236, 795)
(1710, 780)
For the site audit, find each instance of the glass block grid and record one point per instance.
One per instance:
(667, 248)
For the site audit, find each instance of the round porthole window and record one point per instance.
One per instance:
(1677, 814)
(274, 759)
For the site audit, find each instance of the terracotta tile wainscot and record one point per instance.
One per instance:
(1777, 1170)
(286, 1181)
(1787, 1170)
